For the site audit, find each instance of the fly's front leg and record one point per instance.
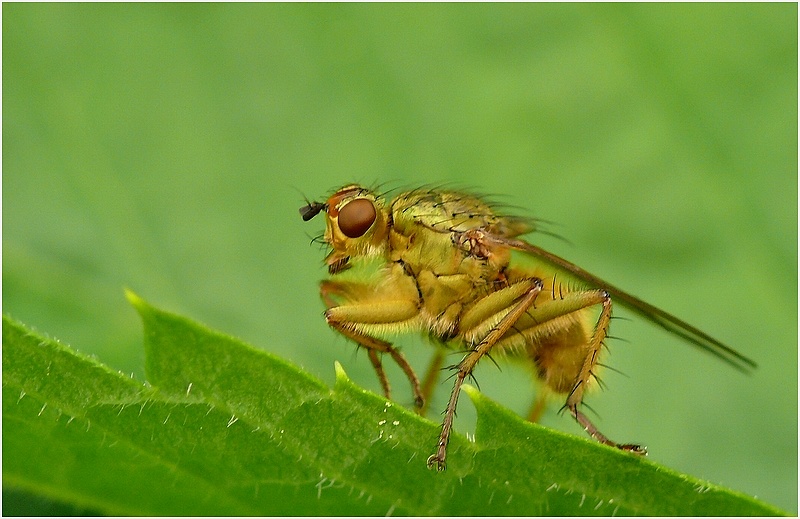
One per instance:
(587, 371)
(377, 365)
(374, 346)
(468, 363)
(356, 319)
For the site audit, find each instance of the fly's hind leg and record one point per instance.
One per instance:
(575, 397)
(566, 360)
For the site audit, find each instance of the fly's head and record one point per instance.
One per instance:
(357, 225)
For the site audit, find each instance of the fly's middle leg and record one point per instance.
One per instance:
(464, 369)
(431, 378)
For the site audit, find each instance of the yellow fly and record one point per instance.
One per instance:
(441, 262)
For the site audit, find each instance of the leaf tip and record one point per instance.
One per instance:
(134, 299)
(471, 391)
(341, 376)
(141, 306)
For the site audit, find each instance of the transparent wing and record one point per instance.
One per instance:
(653, 314)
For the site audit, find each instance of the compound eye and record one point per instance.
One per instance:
(356, 217)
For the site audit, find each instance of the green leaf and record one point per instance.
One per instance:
(227, 429)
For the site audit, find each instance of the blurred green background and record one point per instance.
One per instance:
(167, 148)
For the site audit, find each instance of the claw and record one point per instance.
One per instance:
(434, 462)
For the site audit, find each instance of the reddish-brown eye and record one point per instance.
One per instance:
(356, 217)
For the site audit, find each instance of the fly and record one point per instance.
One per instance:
(441, 261)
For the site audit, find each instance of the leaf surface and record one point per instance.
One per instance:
(223, 428)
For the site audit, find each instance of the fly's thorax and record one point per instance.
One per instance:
(423, 249)
(428, 229)
(442, 211)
